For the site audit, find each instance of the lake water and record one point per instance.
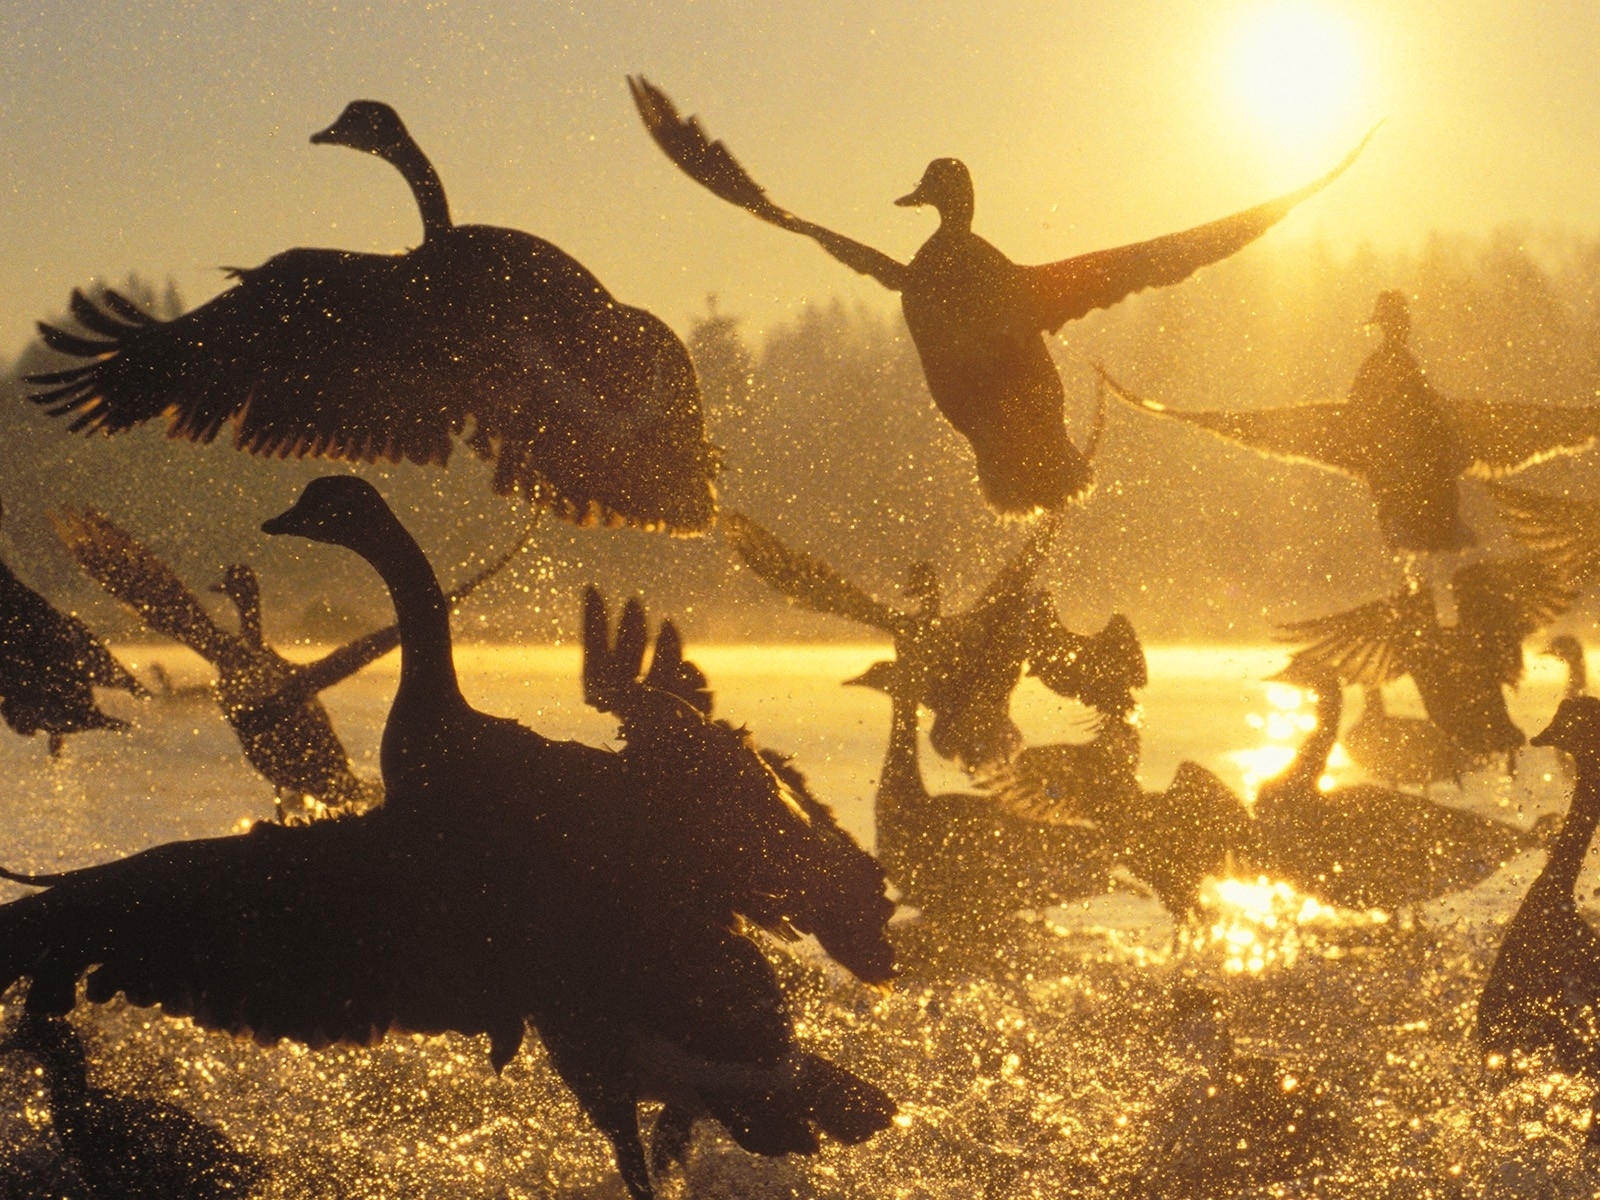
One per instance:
(1061, 1074)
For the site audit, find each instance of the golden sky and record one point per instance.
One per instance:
(171, 138)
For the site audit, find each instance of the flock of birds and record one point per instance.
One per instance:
(619, 900)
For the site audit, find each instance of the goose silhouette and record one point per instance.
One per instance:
(49, 665)
(977, 318)
(1409, 444)
(585, 405)
(1544, 987)
(1460, 670)
(271, 703)
(1366, 846)
(506, 878)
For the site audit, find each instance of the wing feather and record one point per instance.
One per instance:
(1367, 646)
(1066, 290)
(808, 581)
(126, 568)
(712, 165)
(1560, 529)
(1505, 438)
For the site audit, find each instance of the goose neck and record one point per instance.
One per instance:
(427, 662)
(425, 184)
(902, 770)
(1571, 844)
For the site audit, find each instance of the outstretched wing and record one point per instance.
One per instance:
(585, 405)
(808, 581)
(1366, 646)
(126, 568)
(1066, 290)
(713, 167)
(1502, 601)
(1504, 438)
(319, 933)
(727, 823)
(1320, 434)
(1017, 576)
(1563, 531)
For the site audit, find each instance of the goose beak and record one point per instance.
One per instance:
(1543, 738)
(289, 521)
(325, 137)
(914, 199)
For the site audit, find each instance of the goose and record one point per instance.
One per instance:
(125, 1146)
(49, 664)
(270, 702)
(505, 879)
(1544, 987)
(966, 664)
(1408, 751)
(1366, 846)
(1409, 444)
(965, 861)
(586, 405)
(977, 318)
(1460, 670)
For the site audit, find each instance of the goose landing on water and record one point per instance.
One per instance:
(586, 405)
(977, 318)
(1403, 751)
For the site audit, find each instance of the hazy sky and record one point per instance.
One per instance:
(171, 138)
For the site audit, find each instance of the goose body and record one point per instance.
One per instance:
(1409, 444)
(124, 1146)
(586, 405)
(1461, 670)
(1367, 846)
(1544, 987)
(666, 845)
(49, 665)
(1410, 751)
(977, 318)
(271, 703)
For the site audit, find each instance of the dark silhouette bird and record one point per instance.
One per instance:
(126, 1146)
(49, 665)
(271, 703)
(587, 406)
(506, 878)
(1544, 988)
(1233, 1120)
(977, 318)
(1408, 751)
(1562, 530)
(964, 666)
(689, 816)
(1410, 445)
(1367, 846)
(1570, 651)
(965, 861)
(1460, 670)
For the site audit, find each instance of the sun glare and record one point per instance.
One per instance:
(1295, 68)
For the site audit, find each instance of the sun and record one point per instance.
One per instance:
(1295, 68)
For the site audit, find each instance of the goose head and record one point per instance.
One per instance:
(947, 186)
(367, 125)
(882, 675)
(340, 510)
(1392, 314)
(1575, 729)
